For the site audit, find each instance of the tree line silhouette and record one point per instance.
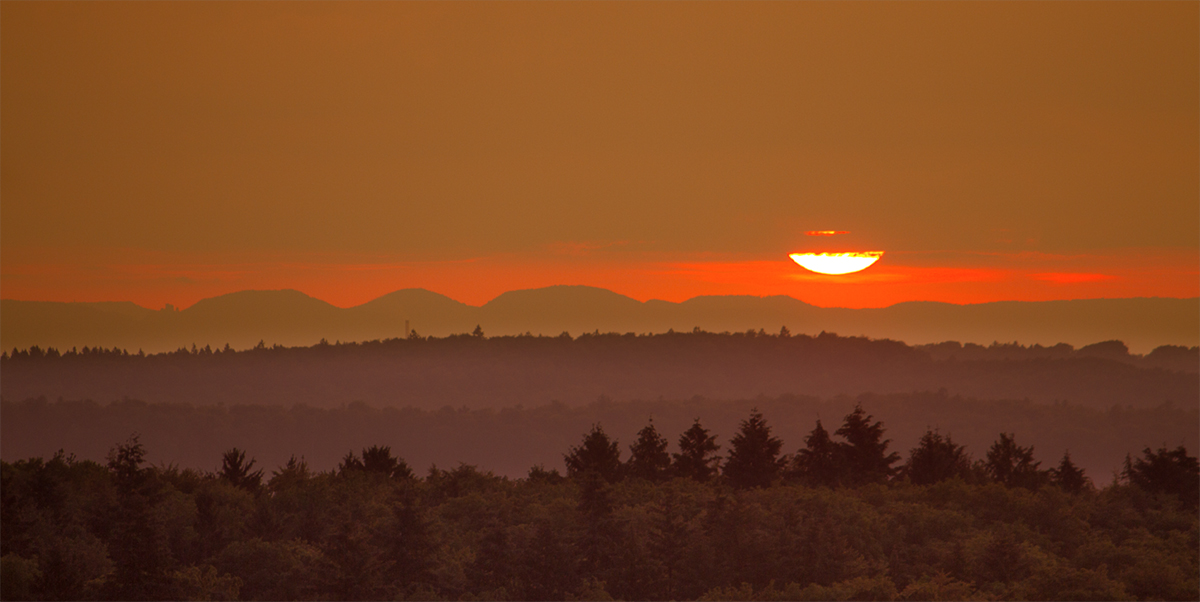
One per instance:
(842, 518)
(1170, 357)
(861, 458)
(510, 370)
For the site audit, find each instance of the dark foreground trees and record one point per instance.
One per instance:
(819, 462)
(1068, 476)
(865, 451)
(239, 472)
(372, 530)
(697, 458)
(859, 459)
(753, 455)
(1172, 472)
(1013, 465)
(648, 457)
(937, 458)
(597, 454)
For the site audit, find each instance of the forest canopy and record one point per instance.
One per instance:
(612, 528)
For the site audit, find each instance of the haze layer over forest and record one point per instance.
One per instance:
(509, 441)
(478, 371)
(462, 398)
(289, 317)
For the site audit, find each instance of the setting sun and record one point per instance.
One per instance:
(836, 263)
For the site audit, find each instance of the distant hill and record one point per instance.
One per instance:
(290, 318)
(501, 371)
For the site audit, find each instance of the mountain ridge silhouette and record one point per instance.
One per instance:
(290, 317)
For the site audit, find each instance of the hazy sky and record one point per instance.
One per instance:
(166, 152)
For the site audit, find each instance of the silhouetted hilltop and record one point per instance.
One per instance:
(727, 312)
(57, 324)
(417, 302)
(384, 317)
(292, 318)
(246, 307)
(557, 309)
(285, 313)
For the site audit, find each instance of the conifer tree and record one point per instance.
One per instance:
(649, 458)
(819, 463)
(379, 459)
(137, 543)
(125, 464)
(288, 475)
(595, 508)
(753, 455)
(350, 463)
(1068, 476)
(936, 458)
(1167, 471)
(1012, 465)
(238, 472)
(865, 451)
(597, 454)
(697, 457)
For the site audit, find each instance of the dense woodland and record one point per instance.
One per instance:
(844, 517)
(427, 372)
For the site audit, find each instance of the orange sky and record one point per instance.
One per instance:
(167, 152)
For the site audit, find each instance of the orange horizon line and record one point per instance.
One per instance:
(271, 290)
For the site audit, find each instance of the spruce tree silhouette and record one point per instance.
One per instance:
(378, 459)
(1068, 476)
(697, 457)
(238, 472)
(137, 544)
(289, 475)
(936, 458)
(1012, 465)
(820, 462)
(125, 465)
(753, 455)
(595, 508)
(649, 458)
(1164, 471)
(349, 463)
(597, 454)
(865, 450)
